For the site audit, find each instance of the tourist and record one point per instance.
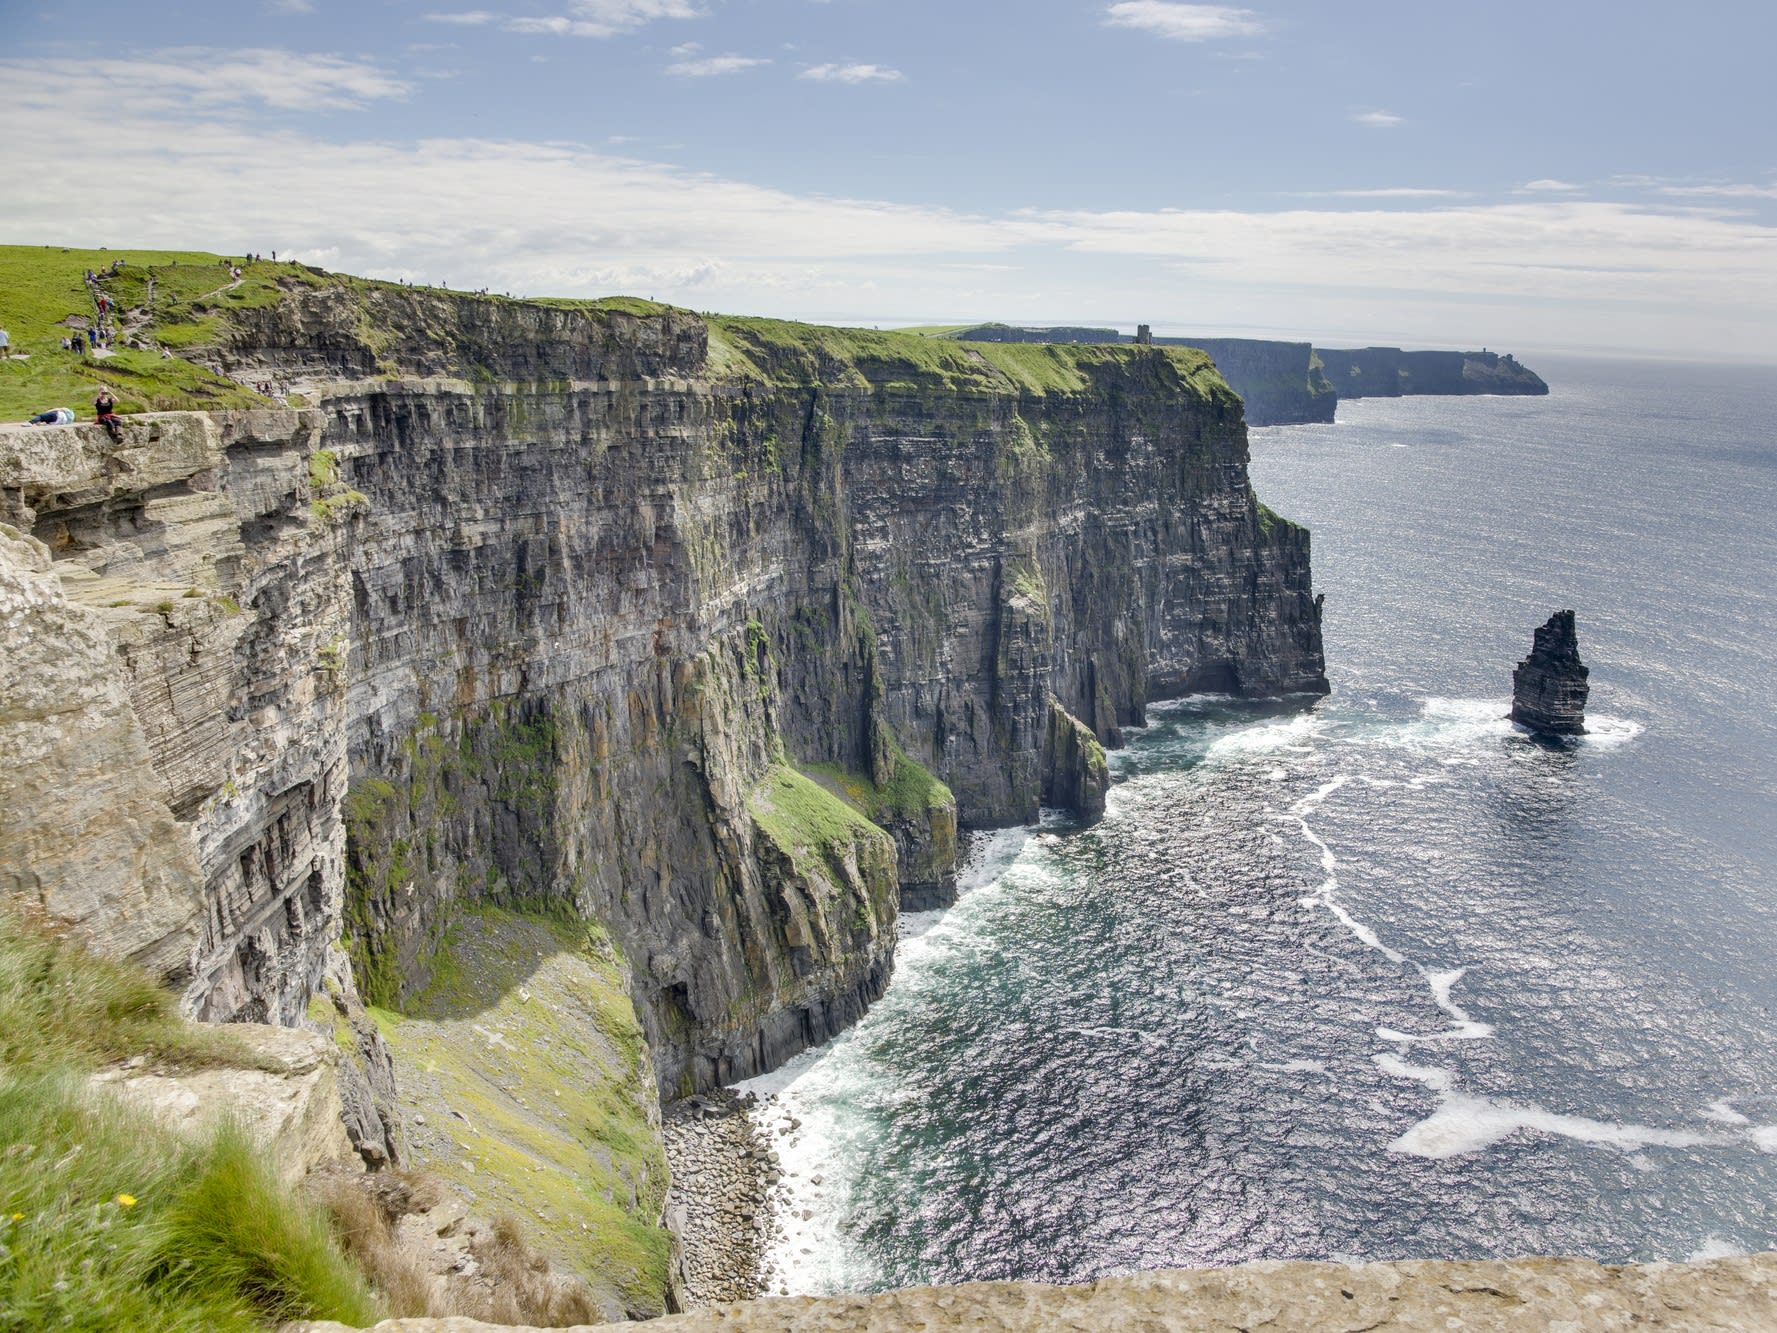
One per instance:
(106, 408)
(5, 345)
(56, 416)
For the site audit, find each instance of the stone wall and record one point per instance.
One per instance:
(1417, 1296)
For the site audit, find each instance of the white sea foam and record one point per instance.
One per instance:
(1723, 1112)
(1325, 895)
(990, 856)
(1293, 734)
(1607, 733)
(1445, 724)
(1715, 1247)
(807, 1256)
(1463, 1123)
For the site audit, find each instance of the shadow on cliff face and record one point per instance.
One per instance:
(523, 1079)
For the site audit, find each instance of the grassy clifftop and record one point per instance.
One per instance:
(44, 298)
(525, 1062)
(870, 358)
(110, 1220)
(174, 310)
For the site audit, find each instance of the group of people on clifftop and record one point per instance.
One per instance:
(104, 412)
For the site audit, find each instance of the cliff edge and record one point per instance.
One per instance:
(1415, 1296)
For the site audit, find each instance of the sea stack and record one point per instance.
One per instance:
(1549, 687)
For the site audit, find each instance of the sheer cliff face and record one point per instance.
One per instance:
(615, 612)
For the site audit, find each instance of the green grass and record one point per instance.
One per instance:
(557, 1126)
(806, 820)
(193, 297)
(869, 358)
(937, 330)
(60, 1006)
(911, 792)
(110, 1220)
(41, 287)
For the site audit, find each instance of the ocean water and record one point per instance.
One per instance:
(1378, 976)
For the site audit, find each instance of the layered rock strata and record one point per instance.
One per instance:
(172, 727)
(708, 631)
(1549, 688)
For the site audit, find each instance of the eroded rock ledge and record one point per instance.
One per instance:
(1542, 1294)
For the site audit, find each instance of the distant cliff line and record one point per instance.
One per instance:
(1289, 383)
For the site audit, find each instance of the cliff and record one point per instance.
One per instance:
(710, 632)
(1388, 372)
(1286, 383)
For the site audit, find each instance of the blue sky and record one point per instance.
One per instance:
(1574, 176)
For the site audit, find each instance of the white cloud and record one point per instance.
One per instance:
(567, 219)
(851, 74)
(585, 18)
(714, 65)
(1547, 186)
(1389, 192)
(1723, 191)
(1377, 120)
(203, 79)
(1185, 23)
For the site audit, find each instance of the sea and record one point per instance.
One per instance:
(1375, 976)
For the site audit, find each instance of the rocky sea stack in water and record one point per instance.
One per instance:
(1549, 687)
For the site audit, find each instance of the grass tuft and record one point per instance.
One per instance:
(108, 1219)
(124, 1224)
(60, 1006)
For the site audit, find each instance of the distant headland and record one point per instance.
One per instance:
(1286, 383)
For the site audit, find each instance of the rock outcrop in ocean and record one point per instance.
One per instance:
(1549, 687)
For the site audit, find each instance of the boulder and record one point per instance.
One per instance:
(1549, 687)
(285, 1092)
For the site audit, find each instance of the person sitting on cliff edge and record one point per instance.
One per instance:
(106, 408)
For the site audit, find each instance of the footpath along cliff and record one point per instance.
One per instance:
(707, 632)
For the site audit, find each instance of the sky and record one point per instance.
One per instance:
(1568, 175)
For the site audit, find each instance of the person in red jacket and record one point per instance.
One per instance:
(106, 407)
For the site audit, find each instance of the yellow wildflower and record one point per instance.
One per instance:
(127, 1200)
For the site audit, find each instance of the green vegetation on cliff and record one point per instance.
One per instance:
(807, 822)
(868, 358)
(528, 1063)
(109, 1220)
(44, 296)
(910, 793)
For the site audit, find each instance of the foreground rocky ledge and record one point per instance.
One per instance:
(1543, 1294)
